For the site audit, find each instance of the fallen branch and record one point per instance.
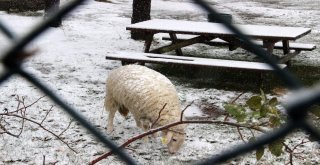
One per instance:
(152, 131)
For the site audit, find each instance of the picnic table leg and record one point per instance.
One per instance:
(233, 43)
(287, 58)
(287, 54)
(269, 45)
(285, 45)
(148, 42)
(174, 39)
(286, 50)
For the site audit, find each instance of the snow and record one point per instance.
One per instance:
(194, 27)
(194, 111)
(71, 61)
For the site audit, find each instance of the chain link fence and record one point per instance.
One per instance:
(12, 59)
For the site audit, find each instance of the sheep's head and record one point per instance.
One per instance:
(173, 140)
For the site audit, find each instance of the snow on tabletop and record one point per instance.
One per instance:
(189, 27)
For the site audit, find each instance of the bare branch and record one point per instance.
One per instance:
(232, 102)
(46, 115)
(181, 116)
(241, 136)
(301, 143)
(292, 152)
(252, 133)
(5, 131)
(159, 115)
(66, 128)
(23, 114)
(235, 99)
(18, 100)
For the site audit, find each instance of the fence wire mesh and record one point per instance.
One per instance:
(12, 59)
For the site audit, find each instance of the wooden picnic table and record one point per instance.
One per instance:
(207, 31)
(215, 34)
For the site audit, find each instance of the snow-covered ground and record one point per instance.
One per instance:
(71, 61)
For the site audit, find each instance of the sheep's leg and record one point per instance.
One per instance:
(142, 123)
(145, 124)
(138, 122)
(110, 122)
(145, 128)
(112, 107)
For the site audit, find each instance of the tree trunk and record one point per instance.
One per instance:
(52, 6)
(140, 12)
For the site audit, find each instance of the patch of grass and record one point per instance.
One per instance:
(26, 13)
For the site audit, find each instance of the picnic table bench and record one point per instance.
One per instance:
(269, 37)
(190, 61)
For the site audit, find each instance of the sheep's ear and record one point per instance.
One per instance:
(165, 140)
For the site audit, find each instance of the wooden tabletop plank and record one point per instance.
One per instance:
(217, 29)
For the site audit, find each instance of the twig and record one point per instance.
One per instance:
(302, 142)
(18, 106)
(181, 116)
(235, 99)
(45, 117)
(66, 128)
(241, 136)
(291, 150)
(23, 114)
(252, 133)
(232, 102)
(19, 109)
(5, 131)
(159, 115)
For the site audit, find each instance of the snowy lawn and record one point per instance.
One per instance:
(71, 61)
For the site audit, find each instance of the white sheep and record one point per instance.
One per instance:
(144, 92)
